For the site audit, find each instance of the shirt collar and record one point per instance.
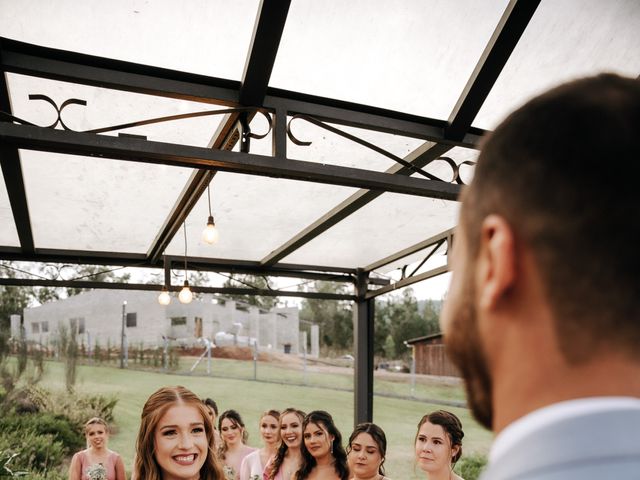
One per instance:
(539, 419)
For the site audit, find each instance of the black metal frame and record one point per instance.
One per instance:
(252, 91)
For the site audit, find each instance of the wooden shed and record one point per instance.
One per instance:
(430, 356)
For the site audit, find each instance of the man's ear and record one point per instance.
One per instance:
(496, 268)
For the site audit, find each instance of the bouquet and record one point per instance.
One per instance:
(97, 472)
(229, 472)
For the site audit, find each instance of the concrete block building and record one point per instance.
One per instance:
(97, 316)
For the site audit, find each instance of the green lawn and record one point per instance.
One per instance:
(398, 417)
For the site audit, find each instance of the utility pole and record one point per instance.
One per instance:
(124, 319)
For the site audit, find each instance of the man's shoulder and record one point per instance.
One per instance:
(581, 447)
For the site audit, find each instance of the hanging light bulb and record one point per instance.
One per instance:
(164, 298)
(210, 233)
(185, 295)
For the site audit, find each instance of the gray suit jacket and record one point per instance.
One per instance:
(598, 446)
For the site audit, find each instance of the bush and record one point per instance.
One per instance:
(471, 466)
(58, 426)
(77, 408)
(49, 475)
(35, 452)
(37, 442)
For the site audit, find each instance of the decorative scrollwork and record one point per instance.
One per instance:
(122, 126)
(455, 168)
(56, 272)
(71, 101)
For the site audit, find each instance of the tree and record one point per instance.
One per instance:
(334, 317)
(382, 328)
(251, 281)
(12, 299)
(405, 321)
(397, 319)
(431, 315)
(389, 347)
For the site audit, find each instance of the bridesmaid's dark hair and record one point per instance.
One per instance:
(325, 421)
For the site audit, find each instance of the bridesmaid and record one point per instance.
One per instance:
(366, 452)
(323, 457)
(289, 457)
(233, 448)
(96, 431)
(438, 445)
(253, 465)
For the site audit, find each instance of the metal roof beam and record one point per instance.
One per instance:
(367, 117)
(265, 41)
(138, 260)
(512, 24)
(27, 59)
(140, 150)
(12, 173)
(24, 282)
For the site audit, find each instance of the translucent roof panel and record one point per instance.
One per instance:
(566, 40)
(330, 148)
(384, 226)
(413, 56)
(108, 108)
(209, 37)
(255, 215)
(8, 232)
(98, 204)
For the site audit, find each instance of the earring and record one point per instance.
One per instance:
(331, 448)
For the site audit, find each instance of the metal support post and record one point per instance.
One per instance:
(363, 349)
(122, 334)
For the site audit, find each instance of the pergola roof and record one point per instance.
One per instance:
(393, 96)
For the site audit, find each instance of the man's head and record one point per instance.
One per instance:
(559, 175)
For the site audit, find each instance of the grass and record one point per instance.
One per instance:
(397, 416)
(396, 385)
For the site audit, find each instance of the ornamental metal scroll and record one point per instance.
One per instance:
(455, 168)
(122, 126)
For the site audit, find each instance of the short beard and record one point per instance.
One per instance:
(465, 350)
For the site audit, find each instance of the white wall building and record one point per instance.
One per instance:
(97, 316)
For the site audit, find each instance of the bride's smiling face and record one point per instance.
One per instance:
(181, 444)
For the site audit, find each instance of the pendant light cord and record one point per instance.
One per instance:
(209, 198)
(184, 224)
